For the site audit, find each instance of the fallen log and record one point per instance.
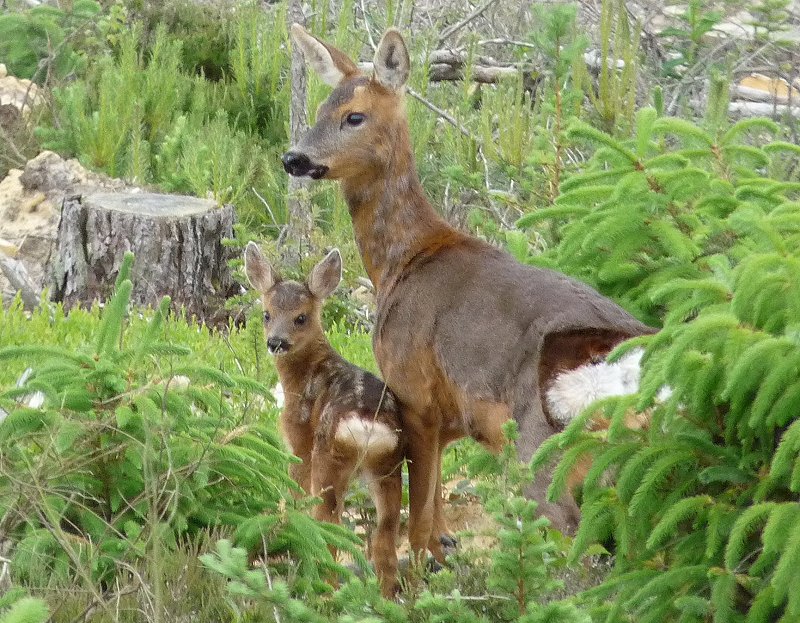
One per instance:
(19, 279)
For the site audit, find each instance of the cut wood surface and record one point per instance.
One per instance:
(177, 242)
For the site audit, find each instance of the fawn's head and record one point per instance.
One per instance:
(358, 126)
(292, 309)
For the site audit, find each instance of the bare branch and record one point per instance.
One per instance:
(443, 114)
(450, 30)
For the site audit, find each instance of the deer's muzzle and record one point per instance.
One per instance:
(277, 345)
(298, 164)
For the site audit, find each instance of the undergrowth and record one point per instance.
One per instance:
(695, 227)
(141, 474)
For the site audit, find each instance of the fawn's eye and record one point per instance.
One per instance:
(355, 119)
(300, 320)
(266, 317)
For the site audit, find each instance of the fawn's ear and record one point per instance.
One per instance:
(331, 64)
(259, 271)
(326, 275)
(391, 61)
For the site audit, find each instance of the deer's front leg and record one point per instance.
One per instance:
(300, 439)
(423, 474)
(440, 533)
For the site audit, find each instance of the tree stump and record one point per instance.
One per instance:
(177, 242)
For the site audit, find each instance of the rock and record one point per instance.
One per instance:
(30, 207)
(9, 248)
(363, 296)
(48, 171)
(20, 93)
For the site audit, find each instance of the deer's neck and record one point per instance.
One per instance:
(392, 218)
(296, 371)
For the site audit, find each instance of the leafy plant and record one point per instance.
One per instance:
(615, 98)
(697, 20)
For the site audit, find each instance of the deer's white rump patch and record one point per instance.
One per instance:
(372, 438)
(572, 391)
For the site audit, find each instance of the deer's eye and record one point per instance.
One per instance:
(266, 317)
(355, 119)
(300, 320)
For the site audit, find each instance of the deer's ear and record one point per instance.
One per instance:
(331, 64)
(259, 271)
(391, 62)
(326, 275)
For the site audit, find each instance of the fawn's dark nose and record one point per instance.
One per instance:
(298, 164)
(277, 345)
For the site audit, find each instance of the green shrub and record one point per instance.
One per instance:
(138, 444)
(15, 607)
(685, 226)
(141, 117)
(517, 586)
(45, 39)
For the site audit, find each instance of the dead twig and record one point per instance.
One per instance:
(443, 114)
(451, 30)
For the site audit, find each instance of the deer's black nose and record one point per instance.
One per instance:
(299, 164)
(277, 345)
(295, 163)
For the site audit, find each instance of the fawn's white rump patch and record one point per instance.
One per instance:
(372, 438)
(572, 391)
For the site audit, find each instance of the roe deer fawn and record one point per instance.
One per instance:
(465, 336)
(337, 418)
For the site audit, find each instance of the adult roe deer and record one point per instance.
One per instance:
(465, 336)
(337, 418)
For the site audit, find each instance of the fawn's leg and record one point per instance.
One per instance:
(300, 438)
(387, 491)
(330, 477)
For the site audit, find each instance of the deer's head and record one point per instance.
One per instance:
(358, 126)
(292, 309)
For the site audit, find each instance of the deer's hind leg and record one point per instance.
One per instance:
(330, 475)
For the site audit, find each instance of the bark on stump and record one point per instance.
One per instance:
(177, 242)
